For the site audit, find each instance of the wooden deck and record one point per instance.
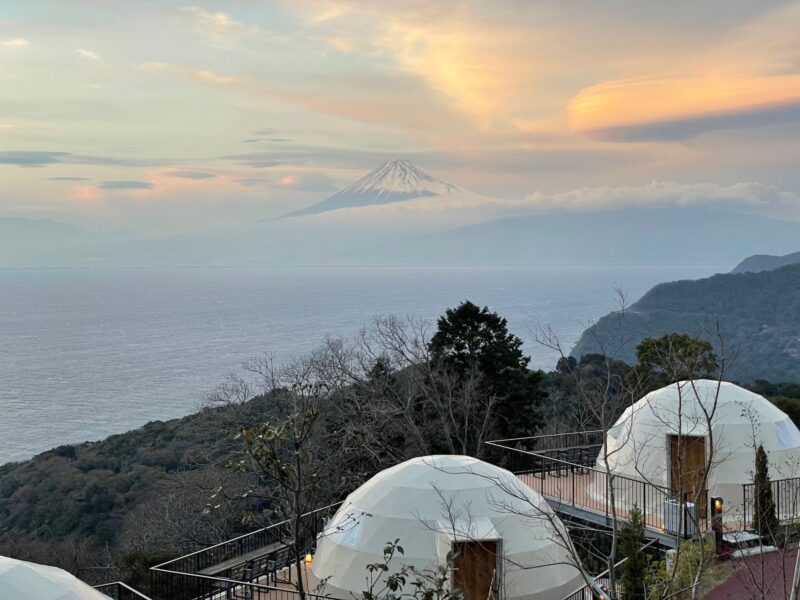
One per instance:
(576, 493)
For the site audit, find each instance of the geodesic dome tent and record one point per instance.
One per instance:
(502, 532)
(22, 580)
(665, 439)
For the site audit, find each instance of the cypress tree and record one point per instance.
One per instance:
(765, 519)
(634, 569)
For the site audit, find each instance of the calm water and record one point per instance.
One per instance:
(88, 353)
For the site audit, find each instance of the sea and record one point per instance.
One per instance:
(87, 353)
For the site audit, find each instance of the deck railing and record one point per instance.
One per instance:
(567, 476)
(120, 591)
(785, 494)
(254, 565)
(587, 592)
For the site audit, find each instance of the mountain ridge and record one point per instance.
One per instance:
(766, 262)
(759, 316)
(393, 181)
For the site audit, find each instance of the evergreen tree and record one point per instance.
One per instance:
(469, 338)
(634, 569)
(766, 519)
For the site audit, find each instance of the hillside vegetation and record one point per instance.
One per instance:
(759, 315)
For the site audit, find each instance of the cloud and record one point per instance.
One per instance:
(342, 43)
(267, 131)
(258, 160)
(660, 194)
(66, 178)
(190, 174)
(273, 140)
(467, 209)
(203, 75)
(16, 43)
(676, 109)
(126, 185)
(86, 193)
(307, 182)
(26, 158)
(88, 55)
(254, 181)
(217, 26)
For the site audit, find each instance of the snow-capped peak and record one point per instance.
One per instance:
(393, 181)
(400, 176)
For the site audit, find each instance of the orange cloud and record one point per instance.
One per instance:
(618, 106)
(202, 75)
(86, 193)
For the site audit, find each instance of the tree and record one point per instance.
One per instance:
(470, 339)
(765, 518)
(634, 569)
(675, 357)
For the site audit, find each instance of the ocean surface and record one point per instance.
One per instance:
(88, 353)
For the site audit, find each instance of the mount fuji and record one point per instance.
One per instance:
(393, 181)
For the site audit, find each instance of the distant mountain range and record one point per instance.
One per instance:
(398, 214)
(759, 314)
(766, 262)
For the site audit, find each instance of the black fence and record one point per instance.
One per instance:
(120, 591)
(256, 565)
(603, 580)
(566, 474)
(785, 493)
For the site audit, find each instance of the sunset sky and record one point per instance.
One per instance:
(168, 116)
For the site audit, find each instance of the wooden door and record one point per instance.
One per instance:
(688, 462)
(474, 566)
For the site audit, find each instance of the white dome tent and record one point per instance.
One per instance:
(664, 439)
(438, 504)
(22, 580)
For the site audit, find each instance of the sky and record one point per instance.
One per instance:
(167, 116)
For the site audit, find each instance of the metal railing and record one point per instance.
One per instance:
(785, 494)
(255, 565)
(587, 592)
(575, 482)
(120, 591)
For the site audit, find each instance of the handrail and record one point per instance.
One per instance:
(245, 535)
(258, 586)
(239, 563)
(571, 464)
(546, 435)
(124, 586)
(605, 573)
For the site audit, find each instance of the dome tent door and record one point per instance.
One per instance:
(687, 455)
(476, 569)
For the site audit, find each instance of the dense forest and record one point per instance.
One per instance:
(403, 388)
(758, 315)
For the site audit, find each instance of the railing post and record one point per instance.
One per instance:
(573, 488)
(644, 503)
(685, 515)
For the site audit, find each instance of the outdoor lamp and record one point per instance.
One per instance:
(716, 505)
(309, 558)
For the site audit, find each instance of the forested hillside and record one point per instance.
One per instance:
(759, 316)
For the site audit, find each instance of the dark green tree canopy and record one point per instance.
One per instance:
(468, 334)
(471, 339)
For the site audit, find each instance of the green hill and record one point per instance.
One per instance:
(759, 314)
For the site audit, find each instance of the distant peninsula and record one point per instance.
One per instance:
(766, 262)
(759, 314)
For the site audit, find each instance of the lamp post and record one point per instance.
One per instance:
(717, 504)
